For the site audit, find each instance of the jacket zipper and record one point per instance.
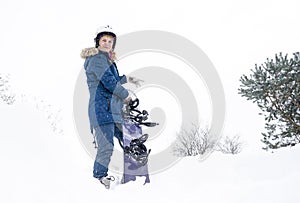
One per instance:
(108, 104)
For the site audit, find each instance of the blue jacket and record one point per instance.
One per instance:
(105, 87)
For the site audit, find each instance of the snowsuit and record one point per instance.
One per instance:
(105, 104)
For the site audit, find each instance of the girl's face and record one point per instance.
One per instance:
(106, 43)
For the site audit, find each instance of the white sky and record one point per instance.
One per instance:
(41, 41)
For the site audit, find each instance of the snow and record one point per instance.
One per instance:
(42, 157)
(41, 166)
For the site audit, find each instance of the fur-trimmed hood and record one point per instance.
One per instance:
(91, 51)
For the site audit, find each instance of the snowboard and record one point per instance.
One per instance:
(135, 152)
(135, 163)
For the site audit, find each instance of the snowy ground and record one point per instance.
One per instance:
(42, 158)
(41, 166)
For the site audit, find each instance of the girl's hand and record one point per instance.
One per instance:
(137, 82)
(127, 100)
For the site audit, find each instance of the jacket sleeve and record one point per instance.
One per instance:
(123, 79)
(105, 76)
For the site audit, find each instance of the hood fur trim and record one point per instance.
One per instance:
(91, 51)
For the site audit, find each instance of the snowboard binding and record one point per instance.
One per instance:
(138, 117)
(136, 148)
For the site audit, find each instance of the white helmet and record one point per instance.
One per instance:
(105, 30)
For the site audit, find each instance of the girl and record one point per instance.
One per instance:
(107, 96)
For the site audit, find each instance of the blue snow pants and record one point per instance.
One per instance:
(104, 137)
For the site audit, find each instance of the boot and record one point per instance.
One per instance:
(106, 181)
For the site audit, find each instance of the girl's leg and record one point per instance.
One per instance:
(104, 138)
